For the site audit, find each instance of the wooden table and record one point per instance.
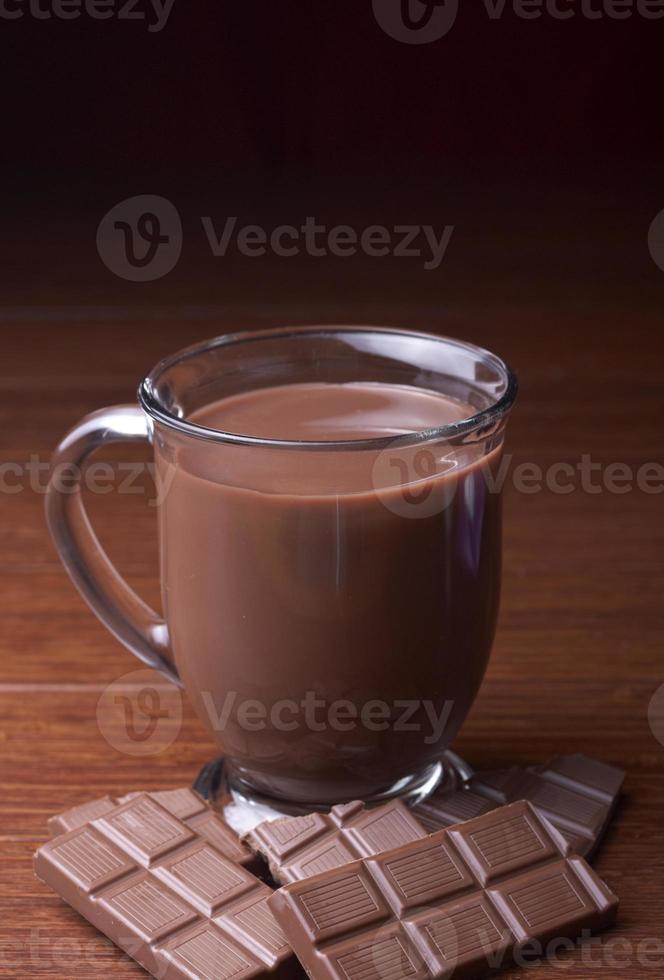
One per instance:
(578, 654)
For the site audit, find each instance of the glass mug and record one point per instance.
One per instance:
(328, 605)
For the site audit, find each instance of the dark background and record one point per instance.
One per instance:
(541, 141)
(319, 89)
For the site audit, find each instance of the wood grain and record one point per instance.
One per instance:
(577, 659)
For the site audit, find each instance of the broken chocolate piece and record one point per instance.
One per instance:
(297, 847)
(575, 793)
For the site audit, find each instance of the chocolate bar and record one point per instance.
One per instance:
(160, 889)
(575, 793)
(182, 803)
(297, 847)
(459, 903)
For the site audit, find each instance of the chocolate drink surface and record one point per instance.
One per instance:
(331, 612)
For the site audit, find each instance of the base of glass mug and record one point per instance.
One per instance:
(243, 808)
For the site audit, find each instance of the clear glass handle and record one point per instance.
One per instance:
(125, 614)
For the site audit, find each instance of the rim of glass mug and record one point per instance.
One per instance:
(483, 420)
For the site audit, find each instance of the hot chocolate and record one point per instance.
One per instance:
(330, 611)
